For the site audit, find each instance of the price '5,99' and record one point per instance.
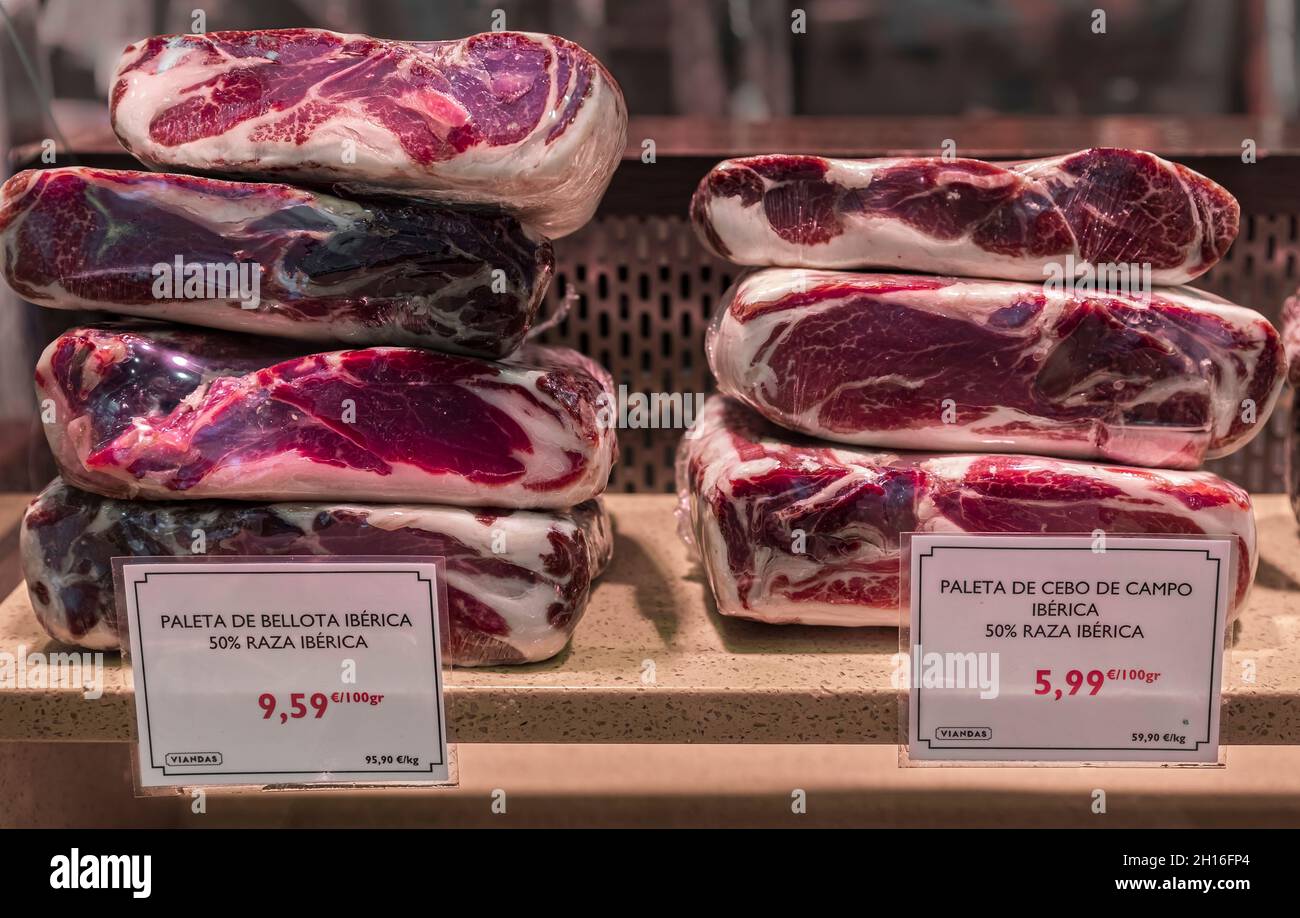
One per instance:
(1074, 679)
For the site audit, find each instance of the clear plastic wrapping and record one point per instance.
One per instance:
(1019, 220)
(167, 412)
(273, 259)
(797, 531)
(1293, 454)
(517, 582)
(531, 123)
(1291, 341)
(909, 361)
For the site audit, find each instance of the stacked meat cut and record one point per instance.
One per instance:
(1291, 339)
(989, 394)
(353, 376)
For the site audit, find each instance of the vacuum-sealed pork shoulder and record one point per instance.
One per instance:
(166, 412)
(1291, 341)
(531, 123)
(911, 361)
(1291, 336)
(792, 530)
(273, 259)
(1012, 220)
(517, 581)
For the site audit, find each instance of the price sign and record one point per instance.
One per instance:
(292, 671)
(1065, 648)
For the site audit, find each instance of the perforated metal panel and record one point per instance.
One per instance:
(646, 291)
(1260, 271)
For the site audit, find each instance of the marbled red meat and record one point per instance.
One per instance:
(320, 268)
(1291, 336)
(794, 530)
(531, 123)
(963, 216)
(517, 581)
(164, 412)
(1291, 341)
(904, 361)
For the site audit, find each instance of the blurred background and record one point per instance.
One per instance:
(1181, 77)
(742, 58)
(748, 60)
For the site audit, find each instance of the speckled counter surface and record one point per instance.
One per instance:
(652, 662)
(88, 785)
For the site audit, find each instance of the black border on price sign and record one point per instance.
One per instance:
(914, 639)
(441, 766)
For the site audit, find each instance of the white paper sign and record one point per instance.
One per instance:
(1066, 648)
(293, 671)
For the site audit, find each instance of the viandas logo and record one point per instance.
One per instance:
(103, 871)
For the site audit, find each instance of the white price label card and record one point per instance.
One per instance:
(290, 671)
(1065, 648)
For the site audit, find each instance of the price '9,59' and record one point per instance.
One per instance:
(297, 708)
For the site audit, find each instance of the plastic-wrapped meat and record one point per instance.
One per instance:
(165, 412)
(1291, 340)
(272, 259)
(792, 530)
(910, 361)
(517, 581)
(532, 123)
(963, 216)
(1293, 456)
(1291, 336)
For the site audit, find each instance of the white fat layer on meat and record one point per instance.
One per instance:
(522, 537)
(554, 186)
(887, 242)
(1142, 489)
(273, 318)
(737, 355)
(1291, 331)
(227, 315)
(204, 205)
(775, 570)
(293, 477)
(765, 604)
(525, 537)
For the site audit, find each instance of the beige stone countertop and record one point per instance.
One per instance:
(715, 680)
(88, 785)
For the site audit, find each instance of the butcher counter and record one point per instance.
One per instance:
(660, 701)
(662, 712)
